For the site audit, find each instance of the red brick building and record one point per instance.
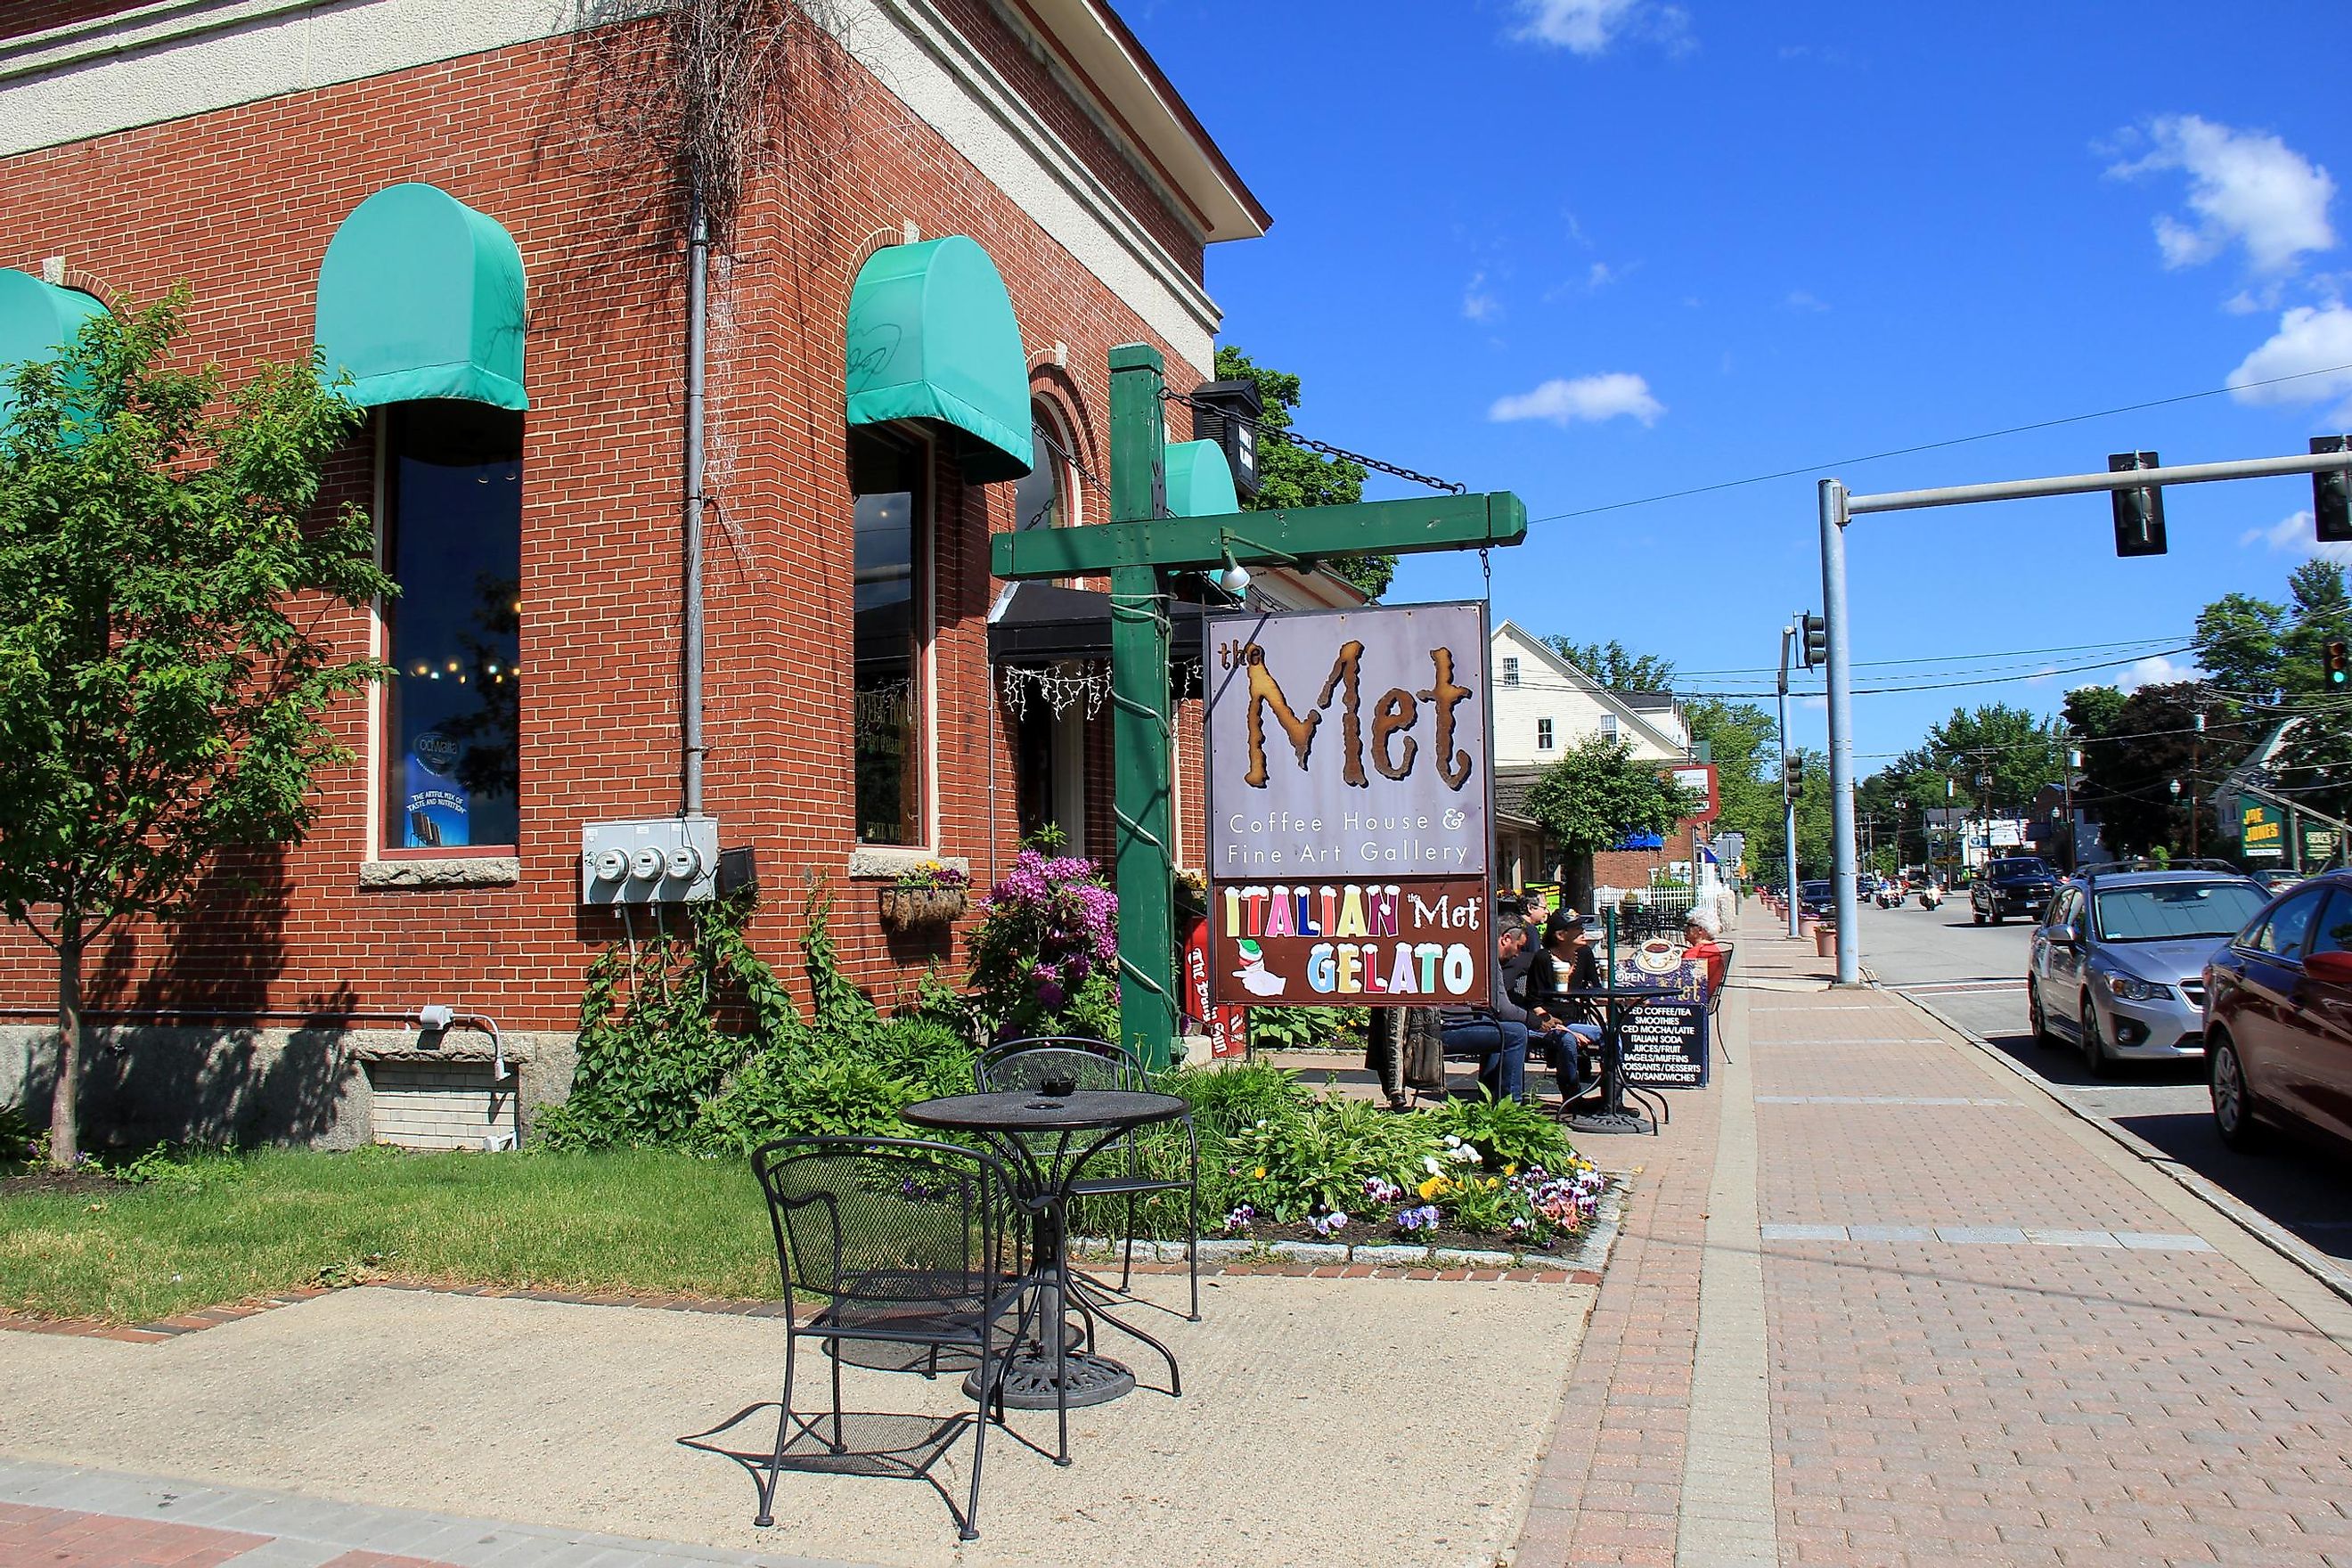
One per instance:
(524, 466)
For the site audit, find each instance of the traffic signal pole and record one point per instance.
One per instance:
(1838, 509)
(1788, 794)
(1834, 517)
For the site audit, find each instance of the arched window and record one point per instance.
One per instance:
(1046, 497)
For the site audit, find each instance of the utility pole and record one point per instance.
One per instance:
(2195, 794)
(2073, 759)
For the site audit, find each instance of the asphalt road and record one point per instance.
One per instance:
(1976, 976)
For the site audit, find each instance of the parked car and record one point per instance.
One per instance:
(2278, 1015)
(2118, 966)
(2012, 885)
(1817, 898)
(2275, 880)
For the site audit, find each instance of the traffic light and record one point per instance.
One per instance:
(1792, 768)
(2331, 495)
(2139, 513)
(2332, 665)
(1816, 642)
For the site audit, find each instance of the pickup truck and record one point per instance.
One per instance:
(2014, 885)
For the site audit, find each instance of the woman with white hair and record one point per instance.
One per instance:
(1701, 943)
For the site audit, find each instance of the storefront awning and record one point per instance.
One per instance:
(421, 296)
(1036, 624)
(1199, 481)
(37, 319)
(931, 337)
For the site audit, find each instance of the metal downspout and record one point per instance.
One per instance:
(698, 264)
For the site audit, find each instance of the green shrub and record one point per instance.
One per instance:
(1316, 1158)
(1224, 1098)
(1504, 1133)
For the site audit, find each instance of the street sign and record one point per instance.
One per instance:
(1350, 803)
(2262, 831)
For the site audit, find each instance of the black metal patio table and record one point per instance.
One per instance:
(1612, 1114)
(1046, 1140)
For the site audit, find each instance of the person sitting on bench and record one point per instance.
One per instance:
(1498, 1033)
(1564, 1021)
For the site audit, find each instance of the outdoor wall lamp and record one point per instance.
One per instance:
(1236, 578)
(1230, 419)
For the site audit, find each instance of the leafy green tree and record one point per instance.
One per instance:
(1743, 743)
(2093, 711)
(1289, 474)
(1615, 666)
(1596, 794)
(1815, 858)
(2254, 648)
(2153, 740)
(162, 686)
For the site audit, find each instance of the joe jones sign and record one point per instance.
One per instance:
(1349, 804)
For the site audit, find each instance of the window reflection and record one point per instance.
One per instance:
(453, 540)
(886, 477)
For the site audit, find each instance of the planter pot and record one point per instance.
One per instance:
(1808, 925)
(1825, 941)
(912, 908)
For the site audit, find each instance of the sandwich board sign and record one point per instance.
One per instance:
(1349, 804)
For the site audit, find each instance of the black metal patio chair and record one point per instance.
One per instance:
(900, 1242)
(1086, 1063)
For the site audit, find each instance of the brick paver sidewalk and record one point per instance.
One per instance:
(1985, 1333)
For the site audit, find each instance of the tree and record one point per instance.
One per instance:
(2093, 711)
(2254, 649)
(1613, 666)
(1289, 474)
(2129, 771)
(1598, 793)
(161, 685)
(1742, 741)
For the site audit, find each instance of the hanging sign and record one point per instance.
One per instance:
(2319, 843)
(1349, 785)
(2262, 831)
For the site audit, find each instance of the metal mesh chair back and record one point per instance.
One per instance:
(1083, 1063)
(888, 1229)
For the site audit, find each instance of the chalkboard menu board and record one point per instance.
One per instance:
(1664, 1044)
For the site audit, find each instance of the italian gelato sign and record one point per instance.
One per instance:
(1349, 798)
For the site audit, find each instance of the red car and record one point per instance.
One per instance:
(2278, 1015)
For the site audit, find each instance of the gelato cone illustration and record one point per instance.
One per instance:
(1258, 979)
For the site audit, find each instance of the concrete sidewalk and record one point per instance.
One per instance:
(1880, 1300)
(1329, 1421)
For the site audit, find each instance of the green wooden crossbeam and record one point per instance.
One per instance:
(1137, 550)
(1255, 538)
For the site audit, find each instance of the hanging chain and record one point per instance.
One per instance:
(1275, 433)
(1487, 570)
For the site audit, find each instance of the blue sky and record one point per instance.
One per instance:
(1597, 251)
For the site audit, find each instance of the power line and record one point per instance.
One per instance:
(1933, 446)
(1950, 658)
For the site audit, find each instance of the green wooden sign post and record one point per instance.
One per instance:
(1137, 550)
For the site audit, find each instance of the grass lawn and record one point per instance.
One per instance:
(222, 1229)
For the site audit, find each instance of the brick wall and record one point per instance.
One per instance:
(239, 206)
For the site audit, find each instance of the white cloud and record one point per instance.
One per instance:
(2156, 670)
(2246, 186)
(1588, 397)
(1589, 26)
(2292, 535)
(1599, 276)
(1798, 300)
(2310, 338)
(1478, 303)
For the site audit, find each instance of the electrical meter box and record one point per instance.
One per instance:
(649, 860)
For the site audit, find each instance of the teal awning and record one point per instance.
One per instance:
(1199, 481)
(36, 320)
(931, 337)
(421, 296)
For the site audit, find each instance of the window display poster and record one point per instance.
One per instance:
(436, 803)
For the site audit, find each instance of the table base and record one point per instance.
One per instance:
(1086, 1379)
(1610, 1121)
